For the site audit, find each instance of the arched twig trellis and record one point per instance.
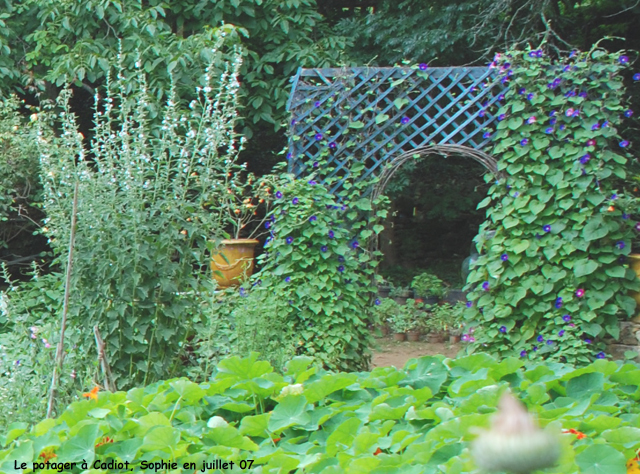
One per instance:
(396, 163)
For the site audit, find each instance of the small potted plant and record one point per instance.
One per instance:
(243, 208)
(400, 324)
(401, 294)
(428, 287)
(455, 329)
(383, 311)
(416, 316)
(441, 318)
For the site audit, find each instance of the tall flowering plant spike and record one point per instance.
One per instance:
(152, 202)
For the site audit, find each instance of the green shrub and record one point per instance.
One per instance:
(148, 215)
(554, 276)
(317, 263)
(20, 187)
(419, 419)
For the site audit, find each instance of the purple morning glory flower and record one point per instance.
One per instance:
(354, 244)
(522, 91)
(601, 355)
(504, 257)
(549, 130)
(524, 141)
(288, 279)
(503, 329)
(486, 135)
(289, 240)
(333, 145)
(620, 244)
(293, 122)
(558, 303)
(614, 197)
(535, 348)
(566, 318)
(501, 117)
(485, 286)
(318, 136)
(405, 120)
(340, 258)
(628, 113)
(561, 333)
(501, 97)
(588, 341)
(585, 159)
(278, 195)
(288, 156)
(324, 248)
(243, 292)
(549, 342)
(553, 121)
(331, 234)
(472, 339)
(636, 76)
(523, 354)
(295, 201)
(317, 103)
(530, 96)
(637, 226)
(315, 164)
(531, 120)
(313, 219)
(312, 183)
(624, 144)
(533, 54)
(341, 268)
(569, 112)
(540, 339)
(377, 302)
(546, 228)
(267, 225)
(516, 194)
(423, 66)
(623, 59)
(625, 216)
(582, 94)
(465, 337)
(552, 113)
(595, 126)
(591, 142)
(469, 304)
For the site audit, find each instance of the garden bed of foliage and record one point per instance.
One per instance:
(420, 419)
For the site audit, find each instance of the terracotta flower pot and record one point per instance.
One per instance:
(233, 261)
(413, 336)
(400, 337)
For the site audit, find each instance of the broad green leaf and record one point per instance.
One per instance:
(81, 446)
(601, 459)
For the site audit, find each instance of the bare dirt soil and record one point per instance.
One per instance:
(387, 352)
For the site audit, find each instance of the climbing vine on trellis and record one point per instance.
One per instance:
(553, 278)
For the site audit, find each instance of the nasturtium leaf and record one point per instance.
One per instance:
(292, 410)
(81, 446)
(601, 459)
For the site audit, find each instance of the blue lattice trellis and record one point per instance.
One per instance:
(374, 114)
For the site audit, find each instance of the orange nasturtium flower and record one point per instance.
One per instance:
(93, 394)
(578, 434)
(47, 455)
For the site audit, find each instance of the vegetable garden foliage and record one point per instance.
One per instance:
(420, 419)
(554, 278)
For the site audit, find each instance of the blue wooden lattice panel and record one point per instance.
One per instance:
(395, 110)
